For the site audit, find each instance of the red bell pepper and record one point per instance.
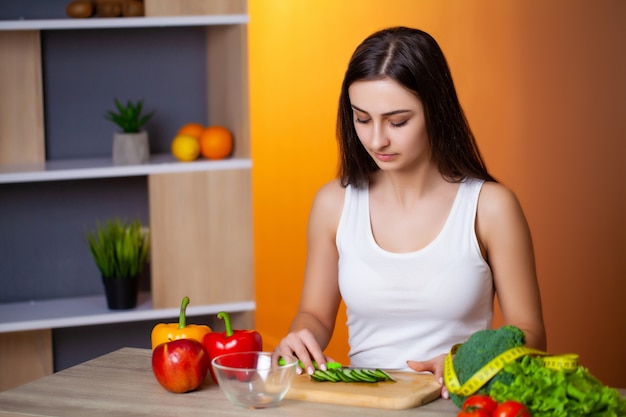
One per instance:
(232, 341)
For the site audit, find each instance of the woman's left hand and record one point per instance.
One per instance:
(434, 366)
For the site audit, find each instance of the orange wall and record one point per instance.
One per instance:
(542, 85)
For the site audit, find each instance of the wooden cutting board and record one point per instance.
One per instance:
(410, 390)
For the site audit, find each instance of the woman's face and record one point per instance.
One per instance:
(389, 121)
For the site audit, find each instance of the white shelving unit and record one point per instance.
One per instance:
(122, 22)
(76, 169)
(92, 310)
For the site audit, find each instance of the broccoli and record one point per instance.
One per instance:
(481, 348)
(546, 392)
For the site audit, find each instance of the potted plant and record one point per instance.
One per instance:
(130, 146)
(120, 251)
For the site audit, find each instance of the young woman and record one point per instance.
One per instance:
(415, 235)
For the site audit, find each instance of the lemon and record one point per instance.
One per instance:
(185, 148)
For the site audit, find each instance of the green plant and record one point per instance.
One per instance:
(129, 117)
(119, 249)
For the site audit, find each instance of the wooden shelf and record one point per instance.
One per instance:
(92, 310)
(123, 22)
(75, 169)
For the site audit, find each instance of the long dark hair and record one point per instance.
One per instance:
(412, 58)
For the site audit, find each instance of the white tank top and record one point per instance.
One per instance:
(412, 306)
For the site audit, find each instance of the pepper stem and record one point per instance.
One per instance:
(182, 317)
(229, 327)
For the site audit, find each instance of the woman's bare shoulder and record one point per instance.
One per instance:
(495, 197)
(328, 201)
(330, 193)
(499, 210)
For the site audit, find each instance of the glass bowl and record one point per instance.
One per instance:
(249, 380)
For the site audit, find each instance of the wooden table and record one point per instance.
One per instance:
(121, 383)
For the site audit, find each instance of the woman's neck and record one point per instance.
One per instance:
(408, 187)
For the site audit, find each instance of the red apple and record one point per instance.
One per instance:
(181, 365)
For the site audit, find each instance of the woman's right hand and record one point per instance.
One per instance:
(434, 366)
(303, 345)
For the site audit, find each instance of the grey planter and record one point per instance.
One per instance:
(130, 148)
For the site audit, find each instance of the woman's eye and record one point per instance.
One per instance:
(361, 121)
(399, 124)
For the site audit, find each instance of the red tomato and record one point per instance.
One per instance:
(484, 402)
(511, 409)
(473, 412)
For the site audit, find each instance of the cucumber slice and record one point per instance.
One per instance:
(342, 375)
(384, 375)
(372, 374)
(335, 375)
(329, 375)
(348, 374)
(361, 376)
(318, 377)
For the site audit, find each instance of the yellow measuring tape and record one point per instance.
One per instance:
(483, 375)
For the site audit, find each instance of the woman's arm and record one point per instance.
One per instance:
(506, 242)
(314, 322)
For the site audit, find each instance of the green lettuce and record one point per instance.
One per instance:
(557, 393)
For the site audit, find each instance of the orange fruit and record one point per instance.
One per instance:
(185, 148)
(216, 142)
(191, 129)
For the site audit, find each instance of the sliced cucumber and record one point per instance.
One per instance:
(342, 375)
(348, 375)
(384, 375)
(362, 376)
(351, 375)
(318, 377)
(332, 375)
(372, 374)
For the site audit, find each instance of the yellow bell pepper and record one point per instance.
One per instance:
(166, 332)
